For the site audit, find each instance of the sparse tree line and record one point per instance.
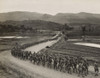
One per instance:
(12, 29)
(33, 26)
(81, 30)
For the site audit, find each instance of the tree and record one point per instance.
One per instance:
(65, 30)
(83, 30)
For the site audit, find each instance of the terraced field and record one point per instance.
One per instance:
(8, 43)
(69, 48)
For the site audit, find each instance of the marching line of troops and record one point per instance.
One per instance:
(57, 62)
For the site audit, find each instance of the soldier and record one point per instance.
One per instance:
(96, 69)
(79, 69)
(86, 67)
(69, 67)
(57, 66)
(55, 63)
(52, 63)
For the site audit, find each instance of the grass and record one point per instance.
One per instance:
(6, 44)
(69, 48)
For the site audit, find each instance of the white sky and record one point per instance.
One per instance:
(51, 6)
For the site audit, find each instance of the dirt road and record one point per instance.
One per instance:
(24, 69)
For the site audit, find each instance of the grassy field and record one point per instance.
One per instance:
(8, 43)
(71, 49)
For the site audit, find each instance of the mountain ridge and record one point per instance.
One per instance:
(82, 17)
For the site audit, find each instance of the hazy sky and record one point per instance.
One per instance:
(51, 6)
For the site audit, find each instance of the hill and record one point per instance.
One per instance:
(58, 18)
(23, 15)
(77, 18)
(34, 24)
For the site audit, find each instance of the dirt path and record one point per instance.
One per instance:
(25, 69)
(41, 46)
(28, 68)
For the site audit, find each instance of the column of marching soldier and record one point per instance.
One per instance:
(63, 63)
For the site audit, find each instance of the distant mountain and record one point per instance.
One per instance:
(20, 16)
(58, 18)
(77, 18)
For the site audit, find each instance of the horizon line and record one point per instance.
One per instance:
(50, 13)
